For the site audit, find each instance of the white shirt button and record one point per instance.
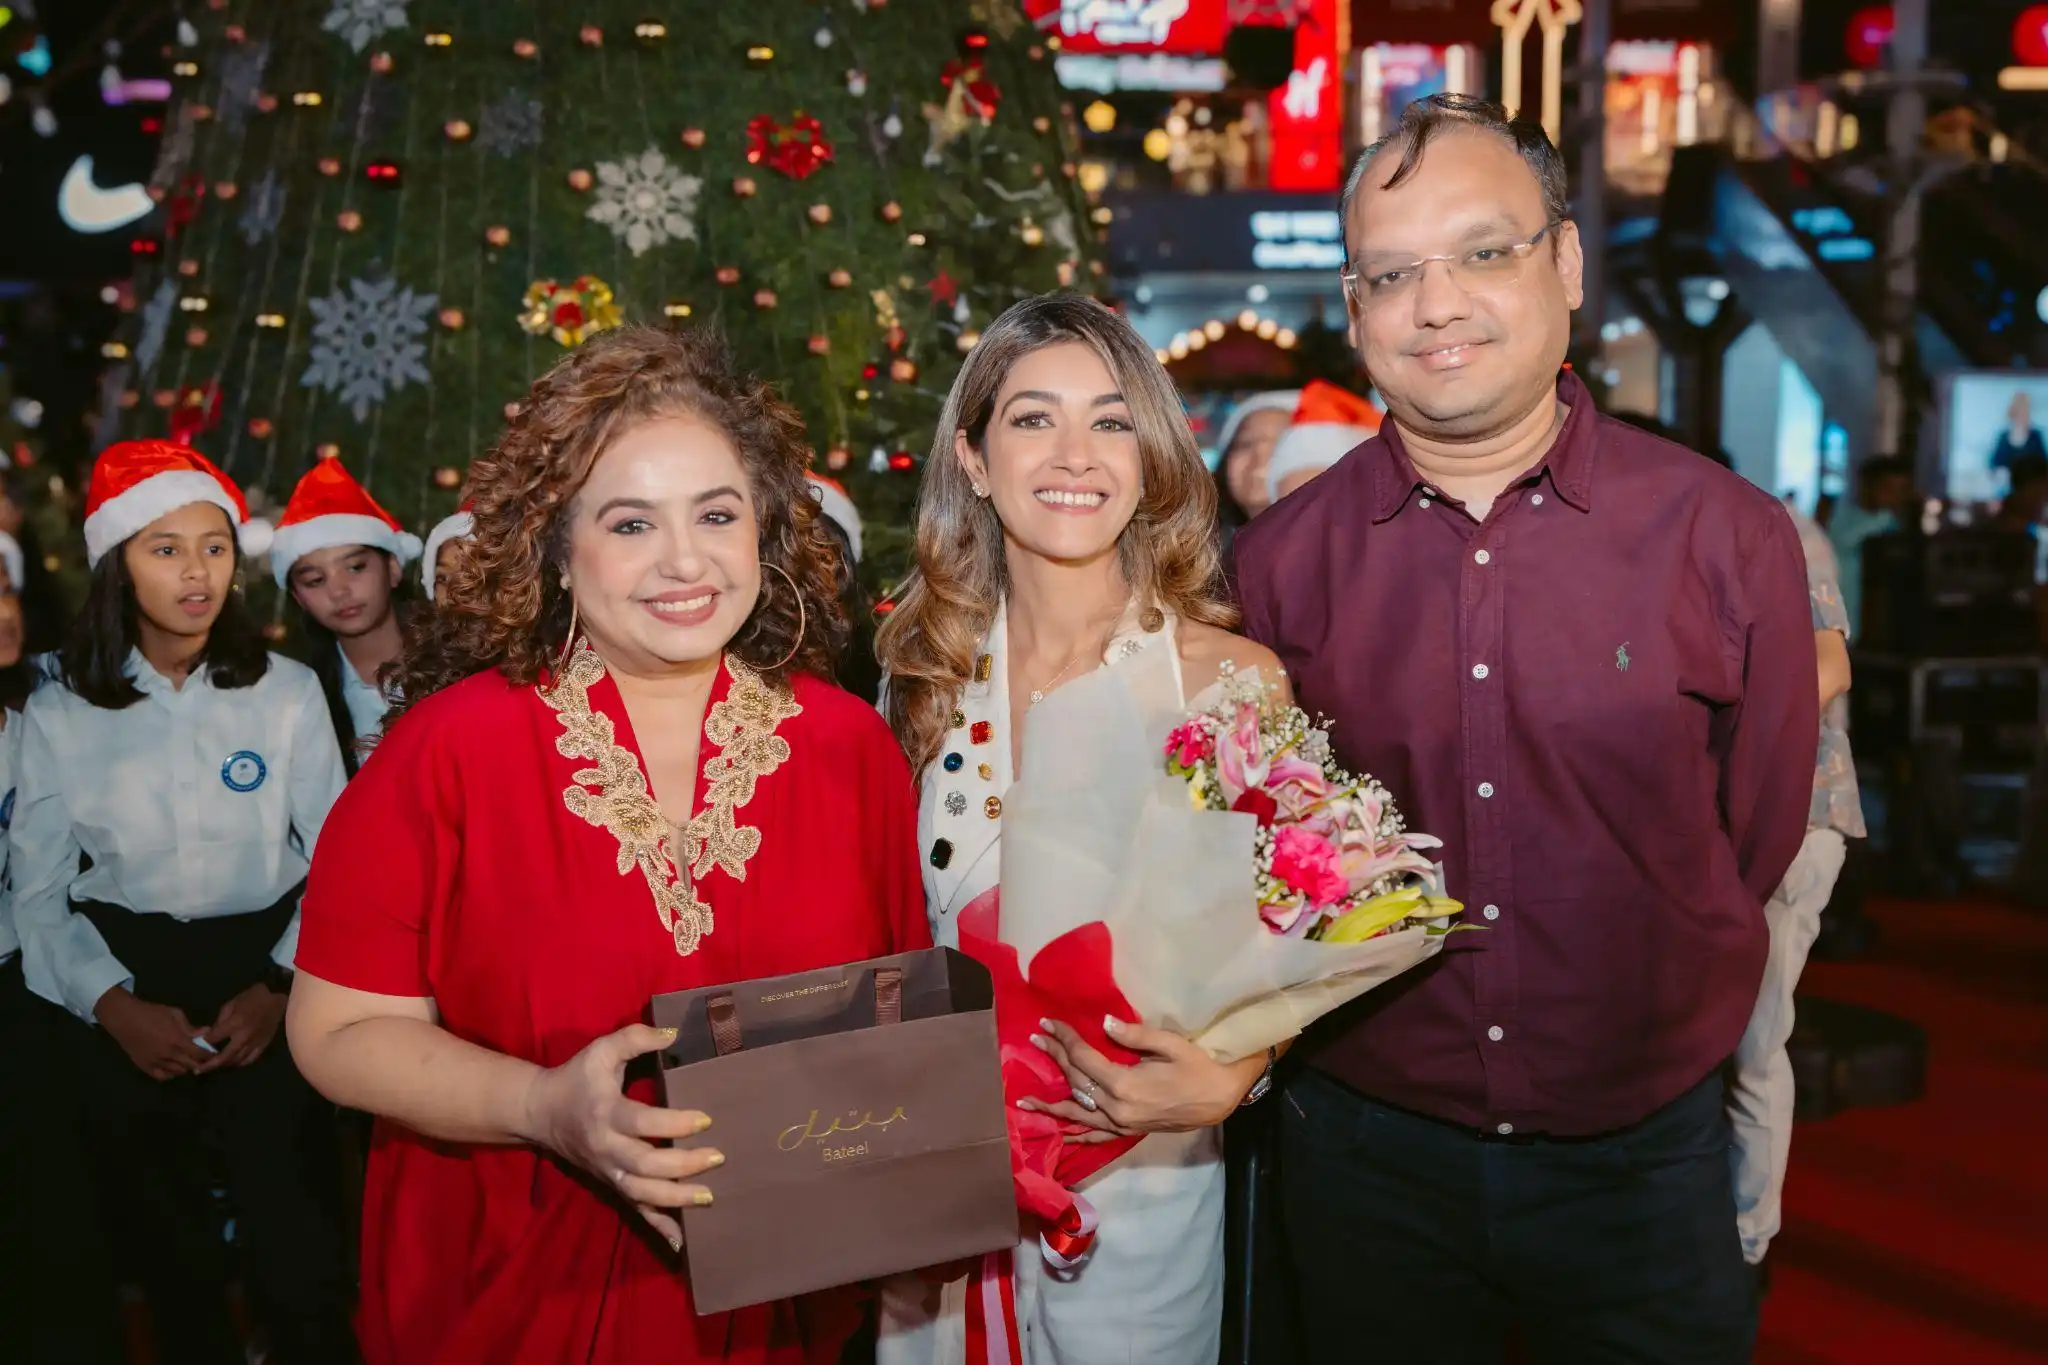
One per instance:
(1535, 499)
(1480, 671)
(1491, 912)
(1496, 1033)
(1504, 1129)
(1423, 503)
(1481, 558)
(1485, 790)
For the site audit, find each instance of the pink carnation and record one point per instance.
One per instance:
(1191, 744)
(1309, 863)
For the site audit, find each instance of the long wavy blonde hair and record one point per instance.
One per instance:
(1168, 552)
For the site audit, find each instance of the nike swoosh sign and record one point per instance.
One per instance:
(85, 207)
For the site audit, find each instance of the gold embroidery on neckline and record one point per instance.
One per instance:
(742, 727)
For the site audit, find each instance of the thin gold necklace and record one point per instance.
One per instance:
(1038, 693)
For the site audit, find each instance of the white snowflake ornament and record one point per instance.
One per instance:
(362, 22)
(366, 342)
(646, 201)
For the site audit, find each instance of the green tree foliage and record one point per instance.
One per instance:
(360, 195)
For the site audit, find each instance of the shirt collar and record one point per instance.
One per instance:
(152, 683)
(1569, 464)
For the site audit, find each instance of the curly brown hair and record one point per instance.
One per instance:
(503, 606)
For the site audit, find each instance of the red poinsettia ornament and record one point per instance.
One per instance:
(982, 94)
(796, 148)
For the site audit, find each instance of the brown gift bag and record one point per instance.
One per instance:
(860, 1111)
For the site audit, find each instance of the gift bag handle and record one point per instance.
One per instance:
(725, 1016)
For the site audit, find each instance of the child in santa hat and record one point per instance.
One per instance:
(190, 770)
(343, 558)
(444, 543)
(1328, 424)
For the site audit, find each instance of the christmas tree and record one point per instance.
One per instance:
(382, 218)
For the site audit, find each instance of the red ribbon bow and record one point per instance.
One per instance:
(196, 413)
(981, 91)
(1072, 979)
(796, 148)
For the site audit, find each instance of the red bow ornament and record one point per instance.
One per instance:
(196, 413)
(796, 148)
(982, 94)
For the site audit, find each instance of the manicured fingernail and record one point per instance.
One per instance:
(715, 1159)
(703, 1197)
(1112, 1024)
(703, 1122)
(668, 1035)
(1028, 1106)
(675, 1243)
(1040, 1043)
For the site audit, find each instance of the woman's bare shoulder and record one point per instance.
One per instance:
(1204, 650)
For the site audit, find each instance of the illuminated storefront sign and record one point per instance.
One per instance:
(1303, 239)
(1307, 113)
(1184, 26)
(1107, 74)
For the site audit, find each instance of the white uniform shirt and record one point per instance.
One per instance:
(366, 705)
(10, 763)
(193, 802)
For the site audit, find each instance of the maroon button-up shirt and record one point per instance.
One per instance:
(1603, 699)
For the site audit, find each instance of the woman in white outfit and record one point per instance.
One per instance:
(1065, 524)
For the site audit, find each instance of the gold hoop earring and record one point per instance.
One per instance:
(802, 619)
(568, 648)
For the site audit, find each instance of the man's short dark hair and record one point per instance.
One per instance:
(1878, 468)
(1425, 118)
(2027, 471)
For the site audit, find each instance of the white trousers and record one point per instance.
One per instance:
(1760, 1094)
(1150, 1292)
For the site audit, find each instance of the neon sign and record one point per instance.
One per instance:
(1195, 27)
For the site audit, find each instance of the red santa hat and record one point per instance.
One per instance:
(834, 502)
(459, 525)
(329, 508)
(1329, 423)
(135, 482)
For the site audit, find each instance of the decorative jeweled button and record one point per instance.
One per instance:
(956, 803)
(982, 732)
(988, 772)
(984, 667)
(959, 718)
(953, 762)
(993, 807)
(942, 853)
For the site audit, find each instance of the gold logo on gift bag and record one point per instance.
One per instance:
(796, 1135)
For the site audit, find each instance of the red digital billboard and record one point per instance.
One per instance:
(1189, 27)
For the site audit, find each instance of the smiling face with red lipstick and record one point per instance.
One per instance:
(664, 546)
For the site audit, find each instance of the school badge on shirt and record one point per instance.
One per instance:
(244, 771)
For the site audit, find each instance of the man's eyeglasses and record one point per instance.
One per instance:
(1489, 266)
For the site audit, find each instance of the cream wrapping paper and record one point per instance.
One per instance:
(1096, 829)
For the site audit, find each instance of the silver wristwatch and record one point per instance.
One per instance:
(1264, 1084)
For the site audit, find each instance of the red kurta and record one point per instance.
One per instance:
(500, 853)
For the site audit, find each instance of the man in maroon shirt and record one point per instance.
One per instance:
(1581, 656)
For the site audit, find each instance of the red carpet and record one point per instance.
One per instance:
(1920, 1233)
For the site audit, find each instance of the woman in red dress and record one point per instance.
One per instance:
(618, 771)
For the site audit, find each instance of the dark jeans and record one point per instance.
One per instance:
(57, 1302)
(1414, 1240)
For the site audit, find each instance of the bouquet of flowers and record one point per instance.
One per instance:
(1233, 893)
(1334, 861)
